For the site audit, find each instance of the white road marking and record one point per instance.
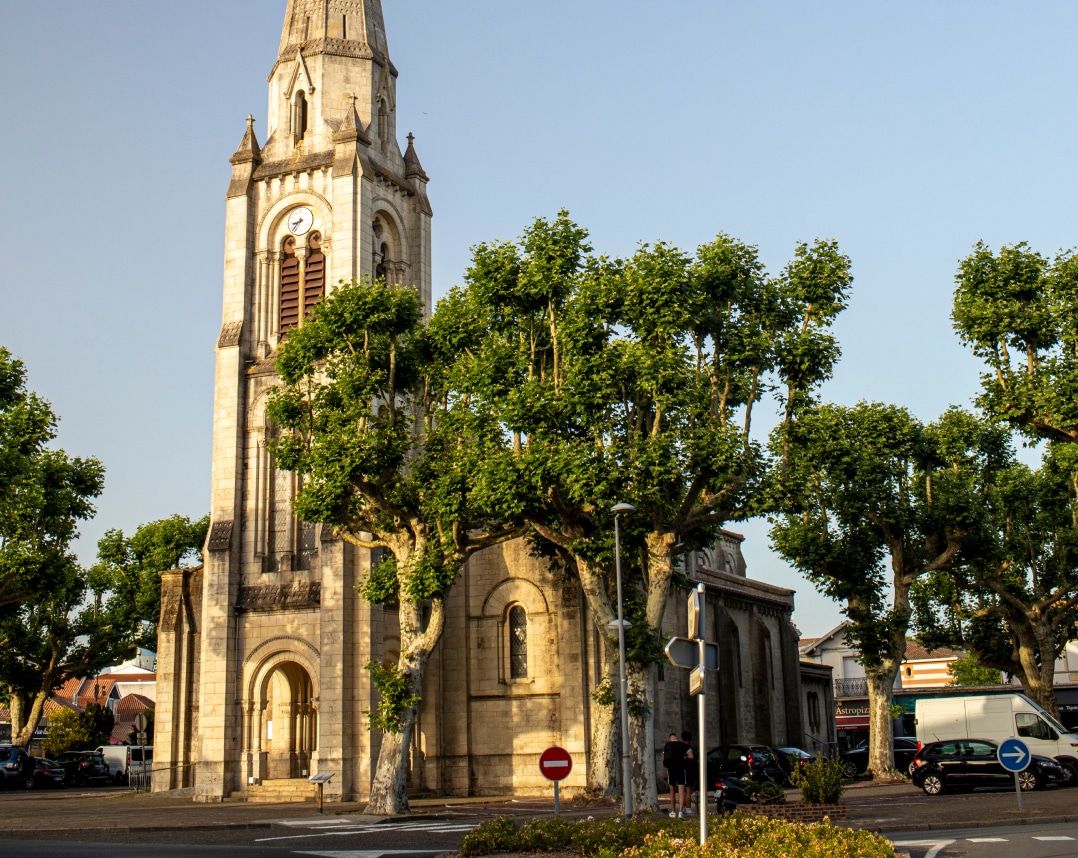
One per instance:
(1053, 838)
(987, 840)
(934, 846)
(373, 853)
(343, 829)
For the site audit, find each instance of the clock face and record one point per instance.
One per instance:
(300, 221)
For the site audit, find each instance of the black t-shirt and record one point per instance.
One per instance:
(674, 755)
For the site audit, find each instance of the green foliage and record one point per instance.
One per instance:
(732, 836)
(968, 671)
(131, 567)
(68, 731)
(44, 493)
(380, 586)
(1018, 311)
(99, 723)
(397, 693)
(820, 781)
(762, 790)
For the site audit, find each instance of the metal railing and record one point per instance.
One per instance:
(851, 688)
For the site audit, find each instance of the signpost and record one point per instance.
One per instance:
(320, 781)
(141, 724)
(699, 656)
(555, 765)
(1014, 756)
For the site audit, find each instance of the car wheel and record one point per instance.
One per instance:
(1028, 781)
(119, 778)
(849, 769)
(932, 785)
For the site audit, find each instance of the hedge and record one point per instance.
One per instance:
(734, 836)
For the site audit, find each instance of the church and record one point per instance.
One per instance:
(262, 650)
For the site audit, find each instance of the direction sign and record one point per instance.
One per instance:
(555, 764)
(683, 652)
(140, 722)
(1013, 755)
(696, 602)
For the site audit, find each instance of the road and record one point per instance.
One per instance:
(1015, 841)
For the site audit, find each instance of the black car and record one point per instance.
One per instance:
(12, 766)
(965, 764)
(83, 767)
(855, 760)
(790, 757)
(743, 761)
(46, 774)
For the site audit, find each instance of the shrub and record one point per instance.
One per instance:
(733, 836)
(820, 781)
(764, 791)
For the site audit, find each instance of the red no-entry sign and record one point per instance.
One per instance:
(555, 764)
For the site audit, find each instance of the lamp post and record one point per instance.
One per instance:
(626, 762)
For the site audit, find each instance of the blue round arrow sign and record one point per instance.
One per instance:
(1013, 755)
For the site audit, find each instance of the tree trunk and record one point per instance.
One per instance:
(388, 788)
(1036, 655)
(603, 767)
(881, 697)
(22, 736)
(603, 762)
(642, 738)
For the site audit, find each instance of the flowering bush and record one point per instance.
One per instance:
(733, 836)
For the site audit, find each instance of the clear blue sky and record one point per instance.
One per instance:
(906, 131)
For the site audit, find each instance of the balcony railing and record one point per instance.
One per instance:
(845, 688)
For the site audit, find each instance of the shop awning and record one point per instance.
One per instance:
(848, 722)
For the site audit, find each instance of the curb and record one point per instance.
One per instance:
(151, 829)
(960, 826)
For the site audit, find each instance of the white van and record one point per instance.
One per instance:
(123, 759)
(998, 717)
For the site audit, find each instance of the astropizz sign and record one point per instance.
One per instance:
(555, 765)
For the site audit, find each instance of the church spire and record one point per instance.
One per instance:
(350, 28)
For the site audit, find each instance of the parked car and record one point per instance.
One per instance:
(743, 761)
(12, 763)
(46, 774)
(790, 757)
(126, 759)
(855, 760)
(998, 717)
(84, 767)
(965, 764)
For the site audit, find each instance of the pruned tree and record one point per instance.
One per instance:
(132, 565)
(1013, 600)
(389, 455)
(44, 493)
(870, 501)
(1018, 311)
(636, 381)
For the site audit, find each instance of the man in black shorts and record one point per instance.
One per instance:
(674, 763)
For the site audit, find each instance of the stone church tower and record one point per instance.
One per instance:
(262, 651)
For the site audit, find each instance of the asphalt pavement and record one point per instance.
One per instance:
(1023, 841)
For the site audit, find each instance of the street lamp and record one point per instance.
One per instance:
(626, 763)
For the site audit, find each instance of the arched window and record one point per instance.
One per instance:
(299, 123)
(518, 643)
(289, 292)
(314, 274)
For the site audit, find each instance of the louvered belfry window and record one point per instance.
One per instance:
(314, 275)
(289, 287)
(518, 643)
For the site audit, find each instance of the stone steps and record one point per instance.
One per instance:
(279, 791)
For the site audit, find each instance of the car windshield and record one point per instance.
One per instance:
(764, 754)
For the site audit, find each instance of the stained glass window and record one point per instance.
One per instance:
(518, 643)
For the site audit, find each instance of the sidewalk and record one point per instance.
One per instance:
(890, 808)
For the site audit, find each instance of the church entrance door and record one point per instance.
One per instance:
(289, 723)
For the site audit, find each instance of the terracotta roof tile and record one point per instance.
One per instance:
(916, 652)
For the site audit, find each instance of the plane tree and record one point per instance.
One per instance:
(870, 501)
(635, 380)
(1013, 601)
(389, 456)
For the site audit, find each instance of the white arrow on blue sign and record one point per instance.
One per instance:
(1013, 755)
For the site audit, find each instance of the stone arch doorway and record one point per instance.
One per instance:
(287, 722)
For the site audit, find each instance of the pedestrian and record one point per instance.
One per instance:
(674, 763)
(26, 770)
(688, 774)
